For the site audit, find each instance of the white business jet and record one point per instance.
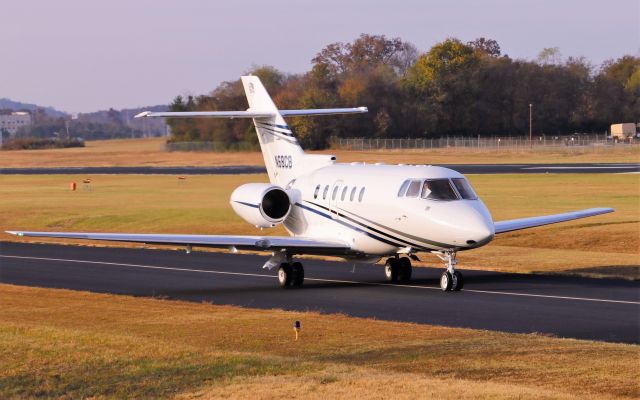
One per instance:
(360, 212)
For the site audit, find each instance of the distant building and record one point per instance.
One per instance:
(14, 121)
(10, 123)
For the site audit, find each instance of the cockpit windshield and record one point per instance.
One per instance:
(438, 189)
(464, 188)
(442, 189)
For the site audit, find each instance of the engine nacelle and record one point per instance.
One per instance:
(261, 204)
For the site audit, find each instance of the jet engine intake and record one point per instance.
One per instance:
(261, 204)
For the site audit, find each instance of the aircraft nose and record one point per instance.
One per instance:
(475, 226)
(479, 232)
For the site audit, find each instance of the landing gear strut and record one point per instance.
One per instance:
(290, 275)
(450, 280)
(398, 269)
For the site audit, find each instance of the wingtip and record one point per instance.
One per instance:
(15, 233)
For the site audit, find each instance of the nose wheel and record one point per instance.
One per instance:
(450, 280)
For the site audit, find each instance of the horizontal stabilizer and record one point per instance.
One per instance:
(524, 223)
(251, 114)
(206, 114)
(323, 111)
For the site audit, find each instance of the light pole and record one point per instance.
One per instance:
(530, 124)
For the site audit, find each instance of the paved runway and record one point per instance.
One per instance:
(607, 310)
(590, 168)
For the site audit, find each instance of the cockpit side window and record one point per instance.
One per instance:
(438, 189)
(413, 189)
(403, 188)
(464, 188)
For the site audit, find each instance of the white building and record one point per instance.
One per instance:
(14, 121)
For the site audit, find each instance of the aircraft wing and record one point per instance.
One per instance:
(524, 223)
(294, 245)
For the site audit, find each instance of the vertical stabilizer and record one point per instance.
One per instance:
(282, 153)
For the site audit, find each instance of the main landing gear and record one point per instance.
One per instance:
(450, 280)
(398, 269)
(290, 274)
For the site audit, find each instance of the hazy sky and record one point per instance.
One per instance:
(82, 55)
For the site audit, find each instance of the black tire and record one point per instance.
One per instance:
(298, 274)
(446, 281)
(459, 281)
(284, 275)
(391, 270)
(405, 270)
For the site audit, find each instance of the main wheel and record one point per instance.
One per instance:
(391, 270)
(446, 281)
(458, 280)
(284, 275)
(405, 270)
(298, 274)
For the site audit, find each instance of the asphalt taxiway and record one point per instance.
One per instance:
(597, 309)
(584, 168)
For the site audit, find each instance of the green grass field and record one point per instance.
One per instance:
(601, 246)
(64, 344)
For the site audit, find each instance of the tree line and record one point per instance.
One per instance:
(99, 125)
(453, 89)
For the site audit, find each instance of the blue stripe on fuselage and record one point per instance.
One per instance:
(355, 228)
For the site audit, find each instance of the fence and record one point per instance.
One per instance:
(569, 143)
(511, 143)
(219, 147)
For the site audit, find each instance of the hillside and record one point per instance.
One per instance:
(17, 105)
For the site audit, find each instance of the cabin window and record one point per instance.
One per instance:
(361, 195)
(315, 193)
(353, 194)
(403, 188)
(344, 193)
(413, 190)
(438, 189)
(464, 189)
(335, 192)
(324, 193)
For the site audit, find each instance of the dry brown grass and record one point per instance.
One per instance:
(61, 343)
(150, 152)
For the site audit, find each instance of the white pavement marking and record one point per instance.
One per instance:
(594, 167)
(319, 279)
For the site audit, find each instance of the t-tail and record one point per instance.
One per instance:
(283, 157)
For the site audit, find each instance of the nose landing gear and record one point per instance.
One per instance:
(450, 280)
